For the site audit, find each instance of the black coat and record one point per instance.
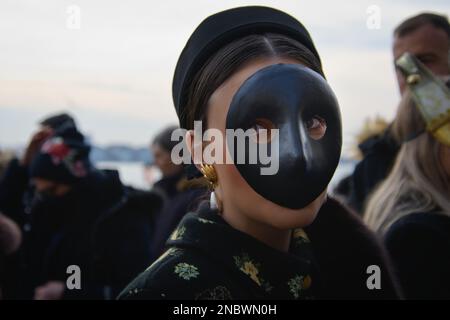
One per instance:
(103, 227)
(419, 245)
(208, 259)
(379, 154)
(176, 202)
(15, 192)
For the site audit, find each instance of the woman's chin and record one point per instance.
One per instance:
(287, 218)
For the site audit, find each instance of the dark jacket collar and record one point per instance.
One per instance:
(269, 272)
(383, 142)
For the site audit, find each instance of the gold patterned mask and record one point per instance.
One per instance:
(430, 94)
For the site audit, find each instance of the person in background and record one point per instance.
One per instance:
(47, 126)
(180, 196)
(10, 239)
(16, 189)
(78, 216)
(411, 208)
(427, 37)
(17, 170)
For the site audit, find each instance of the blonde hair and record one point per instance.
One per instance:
(417, 181)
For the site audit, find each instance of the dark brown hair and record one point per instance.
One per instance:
(163, 138)
(232, 57)
(411, 24)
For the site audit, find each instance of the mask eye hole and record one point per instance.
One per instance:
(316, 127)
(262, 130)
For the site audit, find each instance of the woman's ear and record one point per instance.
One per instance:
(194, 146)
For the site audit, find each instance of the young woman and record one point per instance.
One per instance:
(273, 236)
(411, 208)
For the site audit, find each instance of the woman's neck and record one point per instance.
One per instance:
(273, 237)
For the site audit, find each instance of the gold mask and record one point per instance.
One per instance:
(431, 95)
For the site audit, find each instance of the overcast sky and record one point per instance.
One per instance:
(114, 73)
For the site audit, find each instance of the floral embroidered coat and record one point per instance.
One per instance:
(208, 259)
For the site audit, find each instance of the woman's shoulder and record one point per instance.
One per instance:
(419, 245)
(159, 280)
(415, 226)
(177, 274)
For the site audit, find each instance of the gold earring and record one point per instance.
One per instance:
(210, 174)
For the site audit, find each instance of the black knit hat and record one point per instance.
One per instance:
(222, 28)
(58, 120)
(63, 157)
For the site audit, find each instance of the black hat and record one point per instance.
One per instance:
(224, 27)
(58, 120)
(63, 157)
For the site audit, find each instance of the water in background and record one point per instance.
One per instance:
(134, 174)
(138, 175)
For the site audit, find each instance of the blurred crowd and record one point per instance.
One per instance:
(58, 210)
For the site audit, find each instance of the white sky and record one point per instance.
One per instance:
(114, 74)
